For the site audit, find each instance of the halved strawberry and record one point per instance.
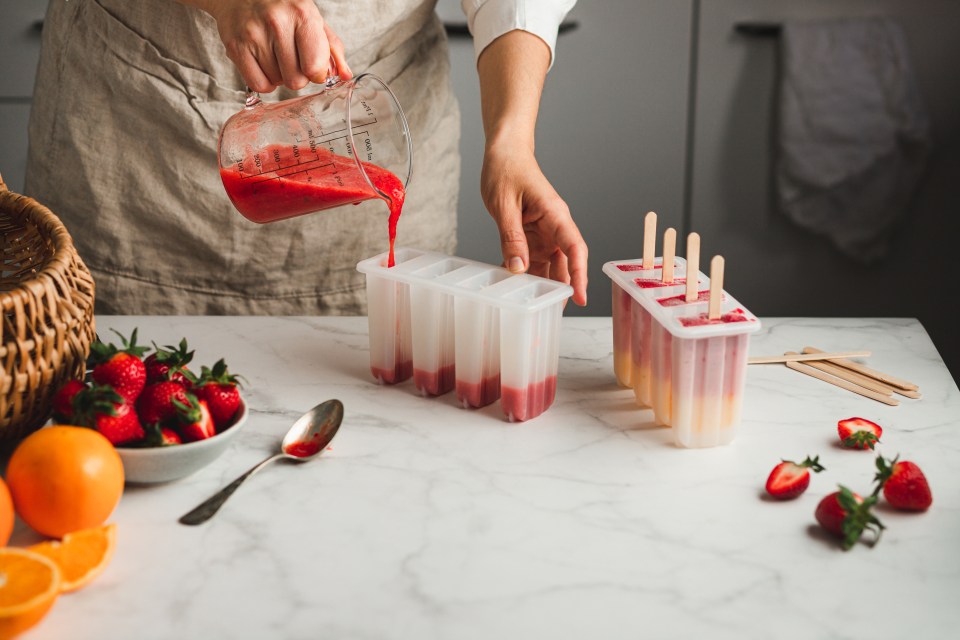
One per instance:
(119, 367)
(63, 401)
(846, 515)
(904, 485)
(194, 420)
(220, 389)
(169, 437)
(789, 479)
(100, 407)
(156, 403)
(858, 433)
(168, 363)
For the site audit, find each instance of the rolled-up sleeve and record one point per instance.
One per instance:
(490, 19)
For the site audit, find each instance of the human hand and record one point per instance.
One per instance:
(277, 42)
(537, 232)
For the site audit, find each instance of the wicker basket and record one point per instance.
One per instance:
(48, 325)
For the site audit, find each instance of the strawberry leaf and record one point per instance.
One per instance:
(859, 518)
(861, 440)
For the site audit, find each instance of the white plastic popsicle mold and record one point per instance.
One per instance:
(688, 369)
(453, 323)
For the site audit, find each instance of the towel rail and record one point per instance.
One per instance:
(758, 29)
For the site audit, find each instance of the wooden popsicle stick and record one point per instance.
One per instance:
(843, 384)
(864, 381)
(669, 251)
(867, 371)
(716, 287)
(849, 376)
(693, 266)
(804, 357)
(649, 239)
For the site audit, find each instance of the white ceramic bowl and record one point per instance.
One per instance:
(163, 464)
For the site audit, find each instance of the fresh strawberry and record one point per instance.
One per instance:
(169, 363)
(63, 401)
(220, 389)
(858, 433)
(194, 419)
(846, 515)
(904, 485)
(102, 408)
(156, 403)
(789, 479)
(121, 368)
(169, 437)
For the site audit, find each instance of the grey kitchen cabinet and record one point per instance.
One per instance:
(13, 143)
(775, 267)
(610, 135)
(19, 52)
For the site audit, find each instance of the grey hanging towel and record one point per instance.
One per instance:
(853, 132)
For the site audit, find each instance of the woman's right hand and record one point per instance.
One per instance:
(277, 42)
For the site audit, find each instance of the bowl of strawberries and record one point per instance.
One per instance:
(165, 420)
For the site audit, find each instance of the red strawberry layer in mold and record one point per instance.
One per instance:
(330, 181)
(656, 283)
(676, 301)
(479, 394)
(399, 373)
(637, 267)
(437, 382)
(523, 404)
(703, 319)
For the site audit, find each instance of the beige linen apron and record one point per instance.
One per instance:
(129, 100)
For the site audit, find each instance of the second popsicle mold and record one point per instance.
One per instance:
(453, 323)
(689, 369)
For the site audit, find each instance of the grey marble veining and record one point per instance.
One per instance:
(429, 521)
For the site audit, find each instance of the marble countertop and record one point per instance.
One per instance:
(429, 521)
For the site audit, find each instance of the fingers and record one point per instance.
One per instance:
(338, 53)
(280, 44)
(313, 49)
(513, 241)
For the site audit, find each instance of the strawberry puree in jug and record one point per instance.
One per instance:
(298, 191)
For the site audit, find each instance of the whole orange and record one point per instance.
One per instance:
(63, 479)
(6, 514)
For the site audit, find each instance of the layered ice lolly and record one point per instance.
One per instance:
(696, 360)
(469, 326)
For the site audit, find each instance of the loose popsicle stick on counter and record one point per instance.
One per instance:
(669, 253)
(864, 381)
(849, 376)
(867, 371)
(803, 357)
(843, 384)
(693, 266)
(649, 239)
(716, 288)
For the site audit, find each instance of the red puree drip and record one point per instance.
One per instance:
(479, 394)
(524, 404)
(400, 372)
(303, 191)
(703, 319)
(304, 448)
(434, 383)
(656, 283)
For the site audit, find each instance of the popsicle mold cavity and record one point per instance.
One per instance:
(688, 368)
(453, 323)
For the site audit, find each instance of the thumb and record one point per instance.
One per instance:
(513, 242)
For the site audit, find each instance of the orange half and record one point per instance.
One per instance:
(81, 555)
(29, 585)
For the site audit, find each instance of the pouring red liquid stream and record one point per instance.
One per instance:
(323, 181)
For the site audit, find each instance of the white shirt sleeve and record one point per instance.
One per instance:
(490, 19)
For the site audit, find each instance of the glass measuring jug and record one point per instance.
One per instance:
(348, 143)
